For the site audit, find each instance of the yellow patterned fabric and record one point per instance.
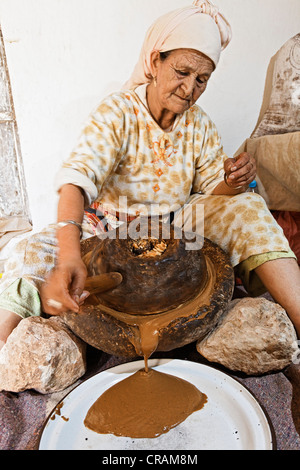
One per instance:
(241, 225)
(123, 153)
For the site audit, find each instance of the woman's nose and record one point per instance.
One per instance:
(189, 84)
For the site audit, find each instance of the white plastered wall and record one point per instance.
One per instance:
(65, 55)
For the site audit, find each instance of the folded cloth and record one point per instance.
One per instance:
(278, 169)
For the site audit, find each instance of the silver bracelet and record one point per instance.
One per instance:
(63, 223)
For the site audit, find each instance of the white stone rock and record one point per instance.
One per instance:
(41, 354)
(255, 336)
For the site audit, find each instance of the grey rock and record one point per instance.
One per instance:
(254, 336)
(43, 355)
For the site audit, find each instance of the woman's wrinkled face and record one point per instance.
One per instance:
(181, 78)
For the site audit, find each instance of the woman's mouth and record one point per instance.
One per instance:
(186, 103)
(182, 99)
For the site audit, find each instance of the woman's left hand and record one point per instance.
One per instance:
(240, 171)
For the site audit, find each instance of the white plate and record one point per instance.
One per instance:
(231, 419)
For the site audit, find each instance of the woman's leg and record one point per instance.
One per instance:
(33, 258)
(241, 225)
(244, 227)
(281, 277)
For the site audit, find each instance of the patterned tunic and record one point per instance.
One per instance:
(124, 157)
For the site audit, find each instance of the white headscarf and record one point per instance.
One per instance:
(199, 26)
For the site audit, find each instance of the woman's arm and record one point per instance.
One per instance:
(64, 288)
(89, 165)
(70, 207)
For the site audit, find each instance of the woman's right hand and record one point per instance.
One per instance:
(63, 289)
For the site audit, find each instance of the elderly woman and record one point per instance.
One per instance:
(150, 149)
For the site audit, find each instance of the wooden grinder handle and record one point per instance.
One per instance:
(103, 282)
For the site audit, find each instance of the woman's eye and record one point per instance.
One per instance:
(181, 73)
(201, 81)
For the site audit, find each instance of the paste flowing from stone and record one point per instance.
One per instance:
(144, 405)
(149, 403)
(146, 328)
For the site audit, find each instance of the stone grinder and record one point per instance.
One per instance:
(154, 284)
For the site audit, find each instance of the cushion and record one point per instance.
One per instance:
(282, 114)
(278, 169)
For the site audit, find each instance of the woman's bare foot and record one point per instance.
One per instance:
(8, 321)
